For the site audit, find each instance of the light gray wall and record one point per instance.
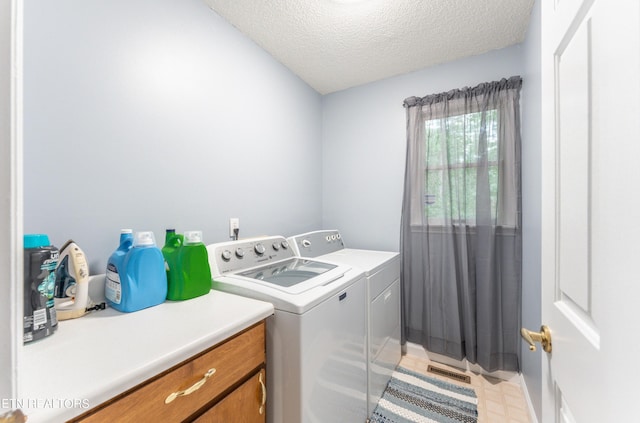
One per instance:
(152, 114)
(364, 137)
(531, 199)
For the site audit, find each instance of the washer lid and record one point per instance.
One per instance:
(371, 261)
(295, 275)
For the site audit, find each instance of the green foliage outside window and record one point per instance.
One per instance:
(453, 153)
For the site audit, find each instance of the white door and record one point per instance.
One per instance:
(591, 209)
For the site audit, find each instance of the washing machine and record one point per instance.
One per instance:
(382, 269)
(316, 339)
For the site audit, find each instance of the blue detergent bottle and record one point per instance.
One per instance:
(143, 276)
(115, 274)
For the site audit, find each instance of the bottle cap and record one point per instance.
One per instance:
(36, 240)
(126, 231)
(144, 239)
(192, 237)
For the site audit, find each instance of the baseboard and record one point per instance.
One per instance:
(525, 391)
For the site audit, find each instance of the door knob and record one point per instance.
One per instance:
(544, 337)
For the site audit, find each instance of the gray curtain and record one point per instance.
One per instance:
(461, 238)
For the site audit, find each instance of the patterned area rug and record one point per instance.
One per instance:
(411, 398)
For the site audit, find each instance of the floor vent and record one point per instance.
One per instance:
(448, 373)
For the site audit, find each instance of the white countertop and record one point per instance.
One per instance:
(96, 357)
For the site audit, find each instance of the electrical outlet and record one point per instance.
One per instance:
(234, 223)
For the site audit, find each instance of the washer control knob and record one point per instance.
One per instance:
(226, 255)
(276, 246)
(239, 252)
(328, 238)
(333, 237)
(338, 236)
(306, 243)
(284, 245)
(259, 249)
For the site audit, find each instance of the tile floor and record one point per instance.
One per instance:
(498, 401)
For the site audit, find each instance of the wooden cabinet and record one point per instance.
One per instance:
(226, 380)
(245, 404)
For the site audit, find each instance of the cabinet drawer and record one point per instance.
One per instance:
(244, 405)
(232, 360)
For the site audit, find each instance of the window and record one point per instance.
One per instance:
(454, 156)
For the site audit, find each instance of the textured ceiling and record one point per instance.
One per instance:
(338, 44)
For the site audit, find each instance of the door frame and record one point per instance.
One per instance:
(11, 194)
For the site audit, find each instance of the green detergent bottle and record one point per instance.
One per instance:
(189, 275)
(172, 244)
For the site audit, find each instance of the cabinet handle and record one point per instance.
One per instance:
(192, 388)
(264, 394)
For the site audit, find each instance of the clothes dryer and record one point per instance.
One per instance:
(316, 343)
(382, 269)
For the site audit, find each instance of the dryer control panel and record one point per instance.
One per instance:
(317, 243)
(235, 256)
